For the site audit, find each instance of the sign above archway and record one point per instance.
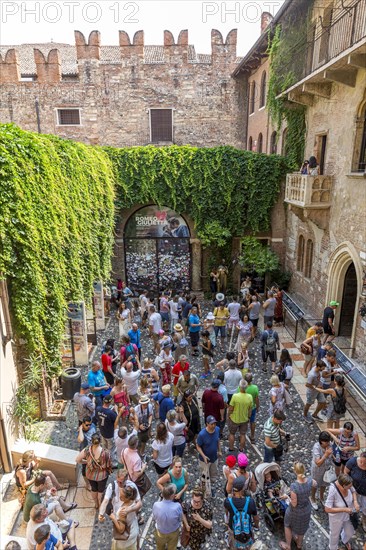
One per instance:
(156, 222)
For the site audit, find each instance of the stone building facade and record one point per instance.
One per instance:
(326, 219)
(131, 94)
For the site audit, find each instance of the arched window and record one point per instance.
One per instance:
(284, 144)
(262, 99)
(308, 258)
(300, 254)
(260, 144)
(273, 149)
(359, 150)
(250, 144)
(252, 98)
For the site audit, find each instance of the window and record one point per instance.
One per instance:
(300, 254)
(308, 258)
(252, 98)
(273, 149)
(250, 143)
(68, 117)
(260, 144)
(161, 124)
(262, 100)
(359, 150)
(283, 144)
(326, 24)
(362, 161)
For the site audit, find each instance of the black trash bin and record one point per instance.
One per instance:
(70, 382)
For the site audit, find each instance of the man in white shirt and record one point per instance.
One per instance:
(121, 435)
(155, 323)
(39, 516)
(233, 308)
(112, 492)
(231, 379)
(131, 379)
(143, 307)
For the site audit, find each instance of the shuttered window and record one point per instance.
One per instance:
(68, 117)
(161, 121)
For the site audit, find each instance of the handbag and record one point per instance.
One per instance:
(354, 519)
(330, 475)
(143, 483)
(185, 537)
(288, 398)
(306, 349)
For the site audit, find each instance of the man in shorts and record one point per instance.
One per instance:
(312, 393)
(240, 410)
(221, 315)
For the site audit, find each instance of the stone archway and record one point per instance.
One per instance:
(339, 263)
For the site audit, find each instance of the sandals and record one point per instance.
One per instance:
(283, 545)
(72, 506)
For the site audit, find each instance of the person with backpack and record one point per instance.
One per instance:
(337, 407)
(242, 516)
(130, 352)
(270, 345)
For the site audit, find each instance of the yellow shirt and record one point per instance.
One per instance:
(311, 332)
(242, 403)
(221, 316)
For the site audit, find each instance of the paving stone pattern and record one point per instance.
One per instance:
(303, 437)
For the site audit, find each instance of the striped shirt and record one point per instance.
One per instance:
(272, 431)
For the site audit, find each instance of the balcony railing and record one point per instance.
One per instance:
(336, 34)
(308, 191)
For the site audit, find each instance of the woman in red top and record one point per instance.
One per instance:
(109, 369)
(178, 369)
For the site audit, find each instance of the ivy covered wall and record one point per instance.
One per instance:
(57, 212)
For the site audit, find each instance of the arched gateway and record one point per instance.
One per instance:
(157, 250)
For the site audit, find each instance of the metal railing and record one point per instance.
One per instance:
(337, 33)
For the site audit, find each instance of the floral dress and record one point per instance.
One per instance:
(198, 532)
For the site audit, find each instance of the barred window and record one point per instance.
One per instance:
(68, 117)
(161, 123)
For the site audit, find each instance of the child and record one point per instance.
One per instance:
(243, 359)
(44, 540)
(206, 346)
(272, 488)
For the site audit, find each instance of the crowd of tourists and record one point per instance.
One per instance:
(138, 412)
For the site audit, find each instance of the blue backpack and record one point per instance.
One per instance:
(241, 523)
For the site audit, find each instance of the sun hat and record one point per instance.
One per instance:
(230, 461)
(220, 296)
(166, 388)
(178, 327)
(210, 316)
(243, 460)
(144, 400)
(334, 303)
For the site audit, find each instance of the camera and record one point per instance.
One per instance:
(287, 437)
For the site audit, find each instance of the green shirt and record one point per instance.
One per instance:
(254, 392)
(30, 500)
(242, 404)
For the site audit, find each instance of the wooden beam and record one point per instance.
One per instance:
(357, 60)
(323, 89)
(301, 97)
(346, 75)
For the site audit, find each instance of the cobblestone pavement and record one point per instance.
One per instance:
(303, 437)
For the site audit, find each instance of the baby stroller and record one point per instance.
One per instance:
(269, 492)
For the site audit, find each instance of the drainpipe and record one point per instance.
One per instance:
(38, 115)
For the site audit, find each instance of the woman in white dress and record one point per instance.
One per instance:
(341, 502)
(124, 319)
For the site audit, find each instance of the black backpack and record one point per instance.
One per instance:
(339, 402)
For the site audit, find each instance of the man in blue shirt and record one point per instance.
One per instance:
(208, 447)
(165, 402)
(168, 519)
(135, 337)
(194, 324)
(97, 383)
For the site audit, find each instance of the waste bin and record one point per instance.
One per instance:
(70, 382)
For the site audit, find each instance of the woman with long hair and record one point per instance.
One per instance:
(176, 475)
(286, 370)
(124, 319)
(340, 503)
(162, 448)
(98, 467)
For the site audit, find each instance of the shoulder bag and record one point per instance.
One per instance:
(354, 519)
(143, 483)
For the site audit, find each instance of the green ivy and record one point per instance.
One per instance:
(282, 75)
(226, 191)
(256, 257)
(58, 201)
(56, 231)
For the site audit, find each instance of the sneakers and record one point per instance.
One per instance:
(309, 420)
(314, 504)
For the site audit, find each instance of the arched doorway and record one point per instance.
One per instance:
(157, 250)
(349, 297)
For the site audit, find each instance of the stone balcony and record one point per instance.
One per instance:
(309, 196)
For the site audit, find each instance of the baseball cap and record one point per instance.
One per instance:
(215, 383)
(107, 399)
(243, 460)
(334, 303)
(85, 386)
(238, 483)
(231, 461)
(211, 420)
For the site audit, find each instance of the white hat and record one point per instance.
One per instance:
(220, 297)
(210, 316)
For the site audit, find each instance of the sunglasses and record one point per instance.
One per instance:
(87, 424)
